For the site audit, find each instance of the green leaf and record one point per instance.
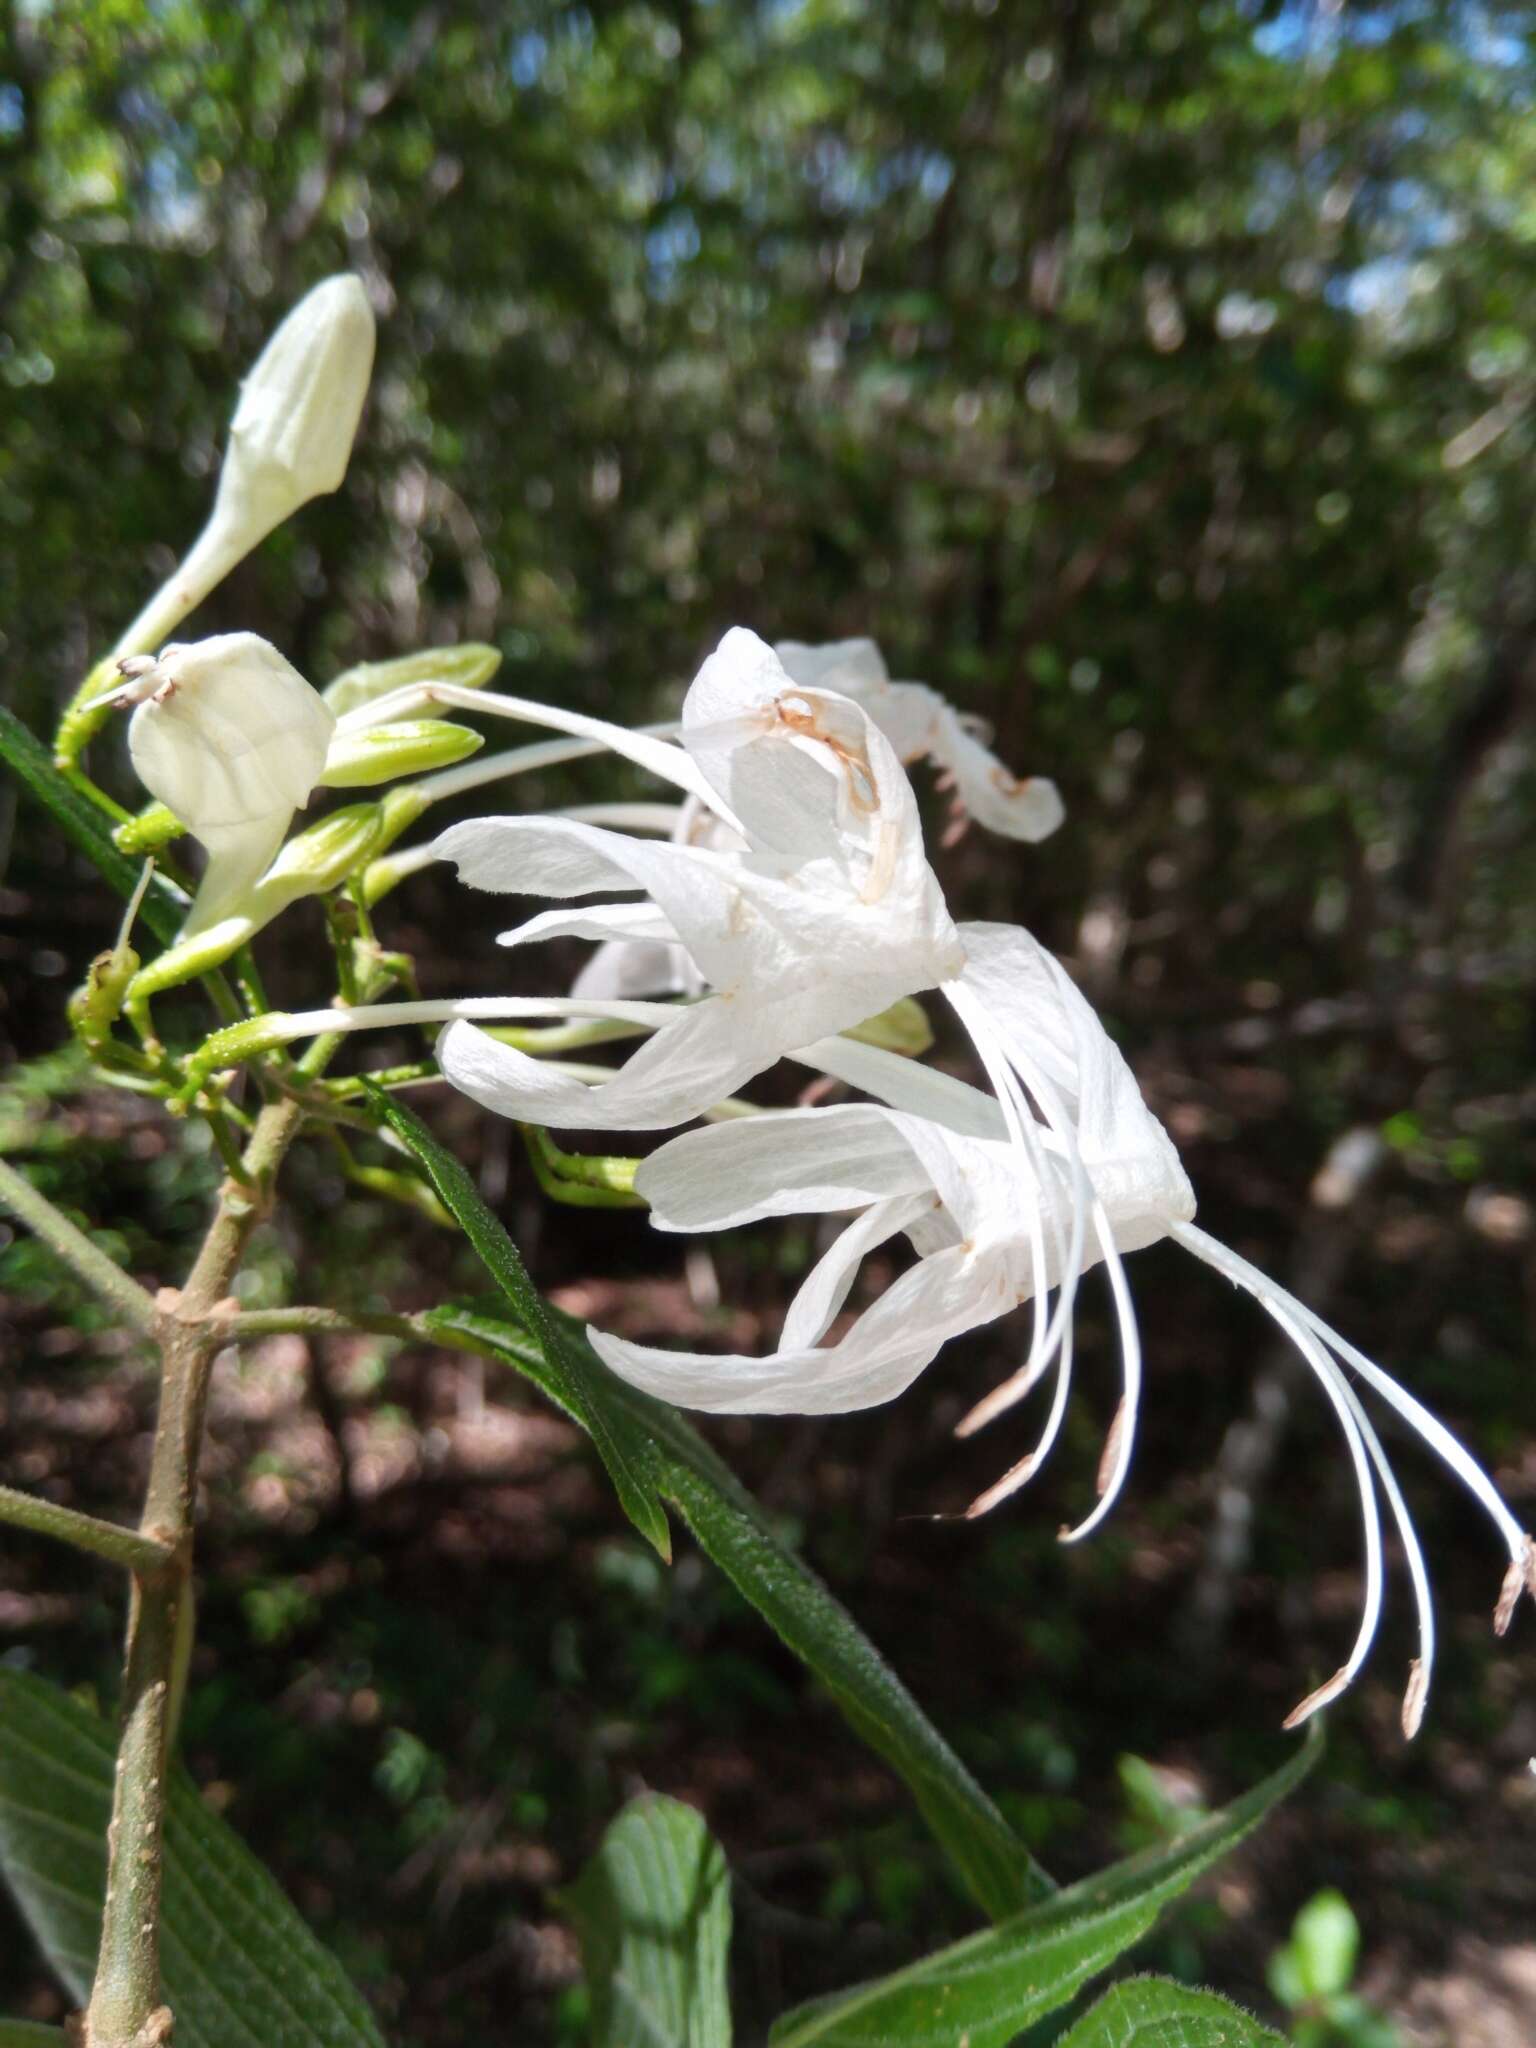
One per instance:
(31, 2034)
(732, 1529)
(1152, 2012)
(241, 1969)
(84, 824)
(989, 1988)
(1325, 1942)
(653, 1910)
(579, 1386)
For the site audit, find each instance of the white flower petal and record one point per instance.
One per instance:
(825, 1288)
(1018, 807)
(699, 1056)
(785, 1163)
(539, 856)
(879, 1357)
(633, 967)
(238, 857)
(919, 722)
(624, 922)
(907, 1085)
(232, 734)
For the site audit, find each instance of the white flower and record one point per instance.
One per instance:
(231, 737)
(919, 724)
(999, 1216)
(821, 913)
(289, 441)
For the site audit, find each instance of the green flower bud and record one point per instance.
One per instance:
(381, 753)
(469, 667)
(319, 858)
(96, 1006)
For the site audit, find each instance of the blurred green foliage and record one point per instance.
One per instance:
(1156, 381)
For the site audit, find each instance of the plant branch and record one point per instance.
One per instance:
(88, 1261)
(105, 1539)
(125, 2009)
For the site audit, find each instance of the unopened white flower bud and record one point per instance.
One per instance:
(231, 737)
(289, 441)
(293, 429)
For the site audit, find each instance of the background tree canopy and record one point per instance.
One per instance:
(1158, 382)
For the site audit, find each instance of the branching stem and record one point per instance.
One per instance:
(76, 1250)
(125, 2009)
(85, 1532)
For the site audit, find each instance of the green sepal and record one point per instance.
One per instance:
(582, 1180)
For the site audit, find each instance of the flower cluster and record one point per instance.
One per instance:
(778, 902)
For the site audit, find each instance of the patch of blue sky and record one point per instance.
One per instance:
(527, 58)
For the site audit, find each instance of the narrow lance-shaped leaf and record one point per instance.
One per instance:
(83, 823)
(988, 1989)
(577, 1386)
(653, 1910)
(1152, 2012)
(241, 1969)
(732, 1529)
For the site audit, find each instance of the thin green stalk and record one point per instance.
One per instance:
(89, 1262)
(85, 1532)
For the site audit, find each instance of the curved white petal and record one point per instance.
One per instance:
(1025, 807)
(786, 1163)
(825, 1288)
(634, 967)
(621, 922)
(878, 1358)
(238, 856)
(919, 722)
(907, 1084)
(702, 1053)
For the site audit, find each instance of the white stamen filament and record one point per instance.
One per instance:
(1021, 1473)
(662, 818)
(284, 1027)
(1333, 1384)
(1414, 1413)
(1021, 1383)
(1021, 1130)
(1423, 1665)
(1123, 1431)
(135, 903)
(486, 768)
(659, 756)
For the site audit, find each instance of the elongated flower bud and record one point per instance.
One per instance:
(468, 667)
(381, 753)
(232, 738)
(293, 429)
(289, 441)
(323, 855)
